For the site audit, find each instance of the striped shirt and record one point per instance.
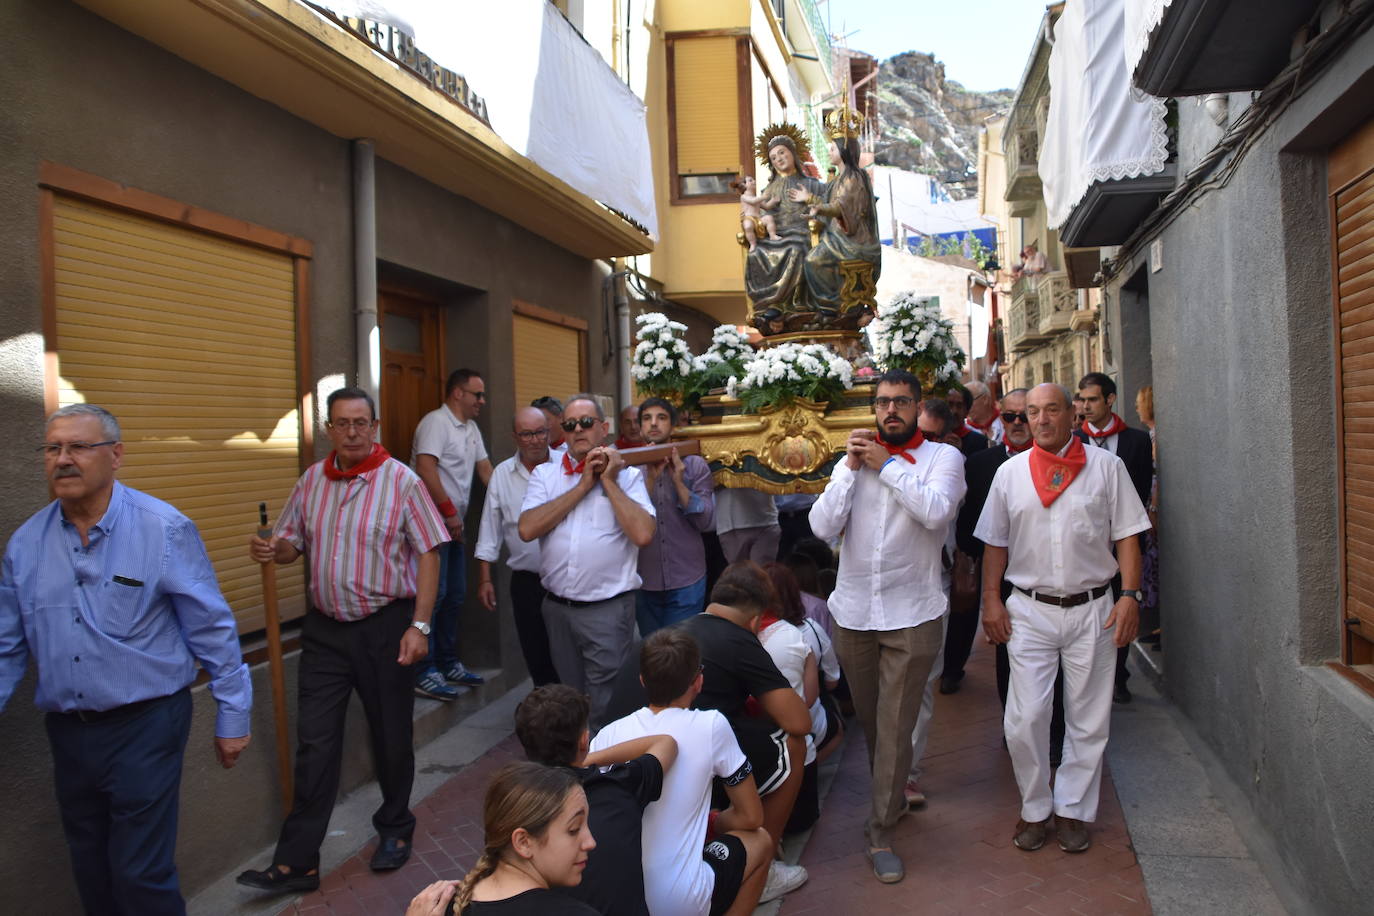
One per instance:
(362, 536)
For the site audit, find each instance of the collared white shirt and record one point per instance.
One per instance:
(895, 522)
(457, 446)
(1109, 442)
(501, 518)
(1066, 548)
(587, 556)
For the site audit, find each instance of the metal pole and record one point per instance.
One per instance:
(368, 337)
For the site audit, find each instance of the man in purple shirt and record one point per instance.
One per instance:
(673, 564)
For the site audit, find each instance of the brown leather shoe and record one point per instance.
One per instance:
(1030, 835)
(1073, 835)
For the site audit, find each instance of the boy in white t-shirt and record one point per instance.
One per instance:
(695, 862)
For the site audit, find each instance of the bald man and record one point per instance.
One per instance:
(982, 412)
(500, 515)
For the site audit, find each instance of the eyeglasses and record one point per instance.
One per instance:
(479, 395)
(530, 435)
(901, 402)
(75, 449)
(1009, 417)
(344, 426)
(584, 422)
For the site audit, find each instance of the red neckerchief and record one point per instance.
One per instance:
(1116, 426)
(767, 619)
(900, 451)
(984, 428)
(1052, 474)
(622, 443)
(962, 431)
(569, 468)
(370, 463)
(1013, 450)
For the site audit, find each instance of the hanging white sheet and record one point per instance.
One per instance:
(1142, 18)
(1099, 128)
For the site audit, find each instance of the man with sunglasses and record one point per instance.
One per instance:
(447, 448)
(893, 497)
(591, 514)
(112, 593)
(370, 535)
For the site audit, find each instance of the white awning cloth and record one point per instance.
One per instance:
(1099, 128)
(1142, 18)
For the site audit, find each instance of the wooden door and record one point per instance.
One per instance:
(412, 366)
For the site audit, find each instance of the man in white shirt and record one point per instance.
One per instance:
(893, 497)
(500, 520)
(1053, 518)
(591, 513)
(982, 412)
(552, 408)
(695, 862)
(447, 449)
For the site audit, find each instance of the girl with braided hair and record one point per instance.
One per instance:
(536, 838)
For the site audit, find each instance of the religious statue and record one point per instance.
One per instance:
(752, 217)
(822, 271)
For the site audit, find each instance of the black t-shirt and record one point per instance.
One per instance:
(737, 665)
(613, 881)
(536, 902)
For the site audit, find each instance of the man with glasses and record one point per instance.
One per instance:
(591, 514)
(447, 448)
(893, 498)
(1059, 523)
(112, 593)
(370, 534)
(500, 518)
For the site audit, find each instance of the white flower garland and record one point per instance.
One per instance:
(910, 332)
(728, 345)
(791, 363)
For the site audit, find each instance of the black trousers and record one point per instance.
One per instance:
(118, 786)
(959, 635)
(336, 659)
(527, 599)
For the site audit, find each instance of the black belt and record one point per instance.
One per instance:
(1066, 600)
(118, 712)
(569, 602)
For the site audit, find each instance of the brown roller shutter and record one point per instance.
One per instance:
(1351, 178)
(548, 360)
(190, 340)
(705, 89)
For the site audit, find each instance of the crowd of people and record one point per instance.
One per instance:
(693, 649)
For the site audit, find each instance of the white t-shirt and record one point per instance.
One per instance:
(819, 642)
(677, 881)
(789, 651)
(456, 445)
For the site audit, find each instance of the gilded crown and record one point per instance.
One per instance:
(844, 122)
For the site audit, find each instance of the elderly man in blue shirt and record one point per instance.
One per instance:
(111, 591)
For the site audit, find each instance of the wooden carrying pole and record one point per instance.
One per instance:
(272, 620)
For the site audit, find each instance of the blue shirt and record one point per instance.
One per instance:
(122, 619)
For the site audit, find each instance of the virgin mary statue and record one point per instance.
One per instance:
(774, 270)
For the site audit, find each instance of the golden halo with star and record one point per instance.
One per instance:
(782, 129)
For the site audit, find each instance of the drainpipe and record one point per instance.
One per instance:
(368, 353)
(622, 334)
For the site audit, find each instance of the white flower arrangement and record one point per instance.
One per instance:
(910, 333)
(728, 347)
(661, 363)
(778, 374)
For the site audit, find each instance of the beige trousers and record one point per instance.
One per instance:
(887, 672)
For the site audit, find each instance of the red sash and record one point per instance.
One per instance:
(370, 463)
(1116, 426)
(900, 451)
(1013, 450)
(570, 468)
(1052, 474)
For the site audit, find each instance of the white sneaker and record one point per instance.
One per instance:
(782, 879)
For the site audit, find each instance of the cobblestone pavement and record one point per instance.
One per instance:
(957, 850)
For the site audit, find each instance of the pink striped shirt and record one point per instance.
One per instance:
(362, 536)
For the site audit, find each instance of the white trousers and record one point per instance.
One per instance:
(922, 730)
(1043, 637)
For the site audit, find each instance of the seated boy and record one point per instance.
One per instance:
(685, 871)
(551, 723)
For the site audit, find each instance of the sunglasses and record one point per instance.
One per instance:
(1009, 417)
(584, 422)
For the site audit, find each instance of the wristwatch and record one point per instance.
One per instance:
(1135, 593)
(420, 625)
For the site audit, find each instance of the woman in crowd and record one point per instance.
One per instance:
(536, 839)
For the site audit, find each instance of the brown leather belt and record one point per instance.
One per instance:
(1066, 600)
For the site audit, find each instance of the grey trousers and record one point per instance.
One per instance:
(757, 544)
(887, 672)
(589, 644)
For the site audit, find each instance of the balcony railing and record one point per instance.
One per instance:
(1023, 318)
(1023, 170)
(813, 17)
(1057, 302)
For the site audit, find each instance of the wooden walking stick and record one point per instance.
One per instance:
(272, 619)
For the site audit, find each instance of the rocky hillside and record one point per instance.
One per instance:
(930, 124)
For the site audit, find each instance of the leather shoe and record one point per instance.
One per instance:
(950, 685)
(274, 879)
(1073, 834)
(392, 852)
(1030, 835)
(1121, 694)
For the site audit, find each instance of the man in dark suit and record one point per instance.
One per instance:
(1103, 428)
(971, 442)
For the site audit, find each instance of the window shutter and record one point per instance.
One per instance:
(548, 360)
(706, 107)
